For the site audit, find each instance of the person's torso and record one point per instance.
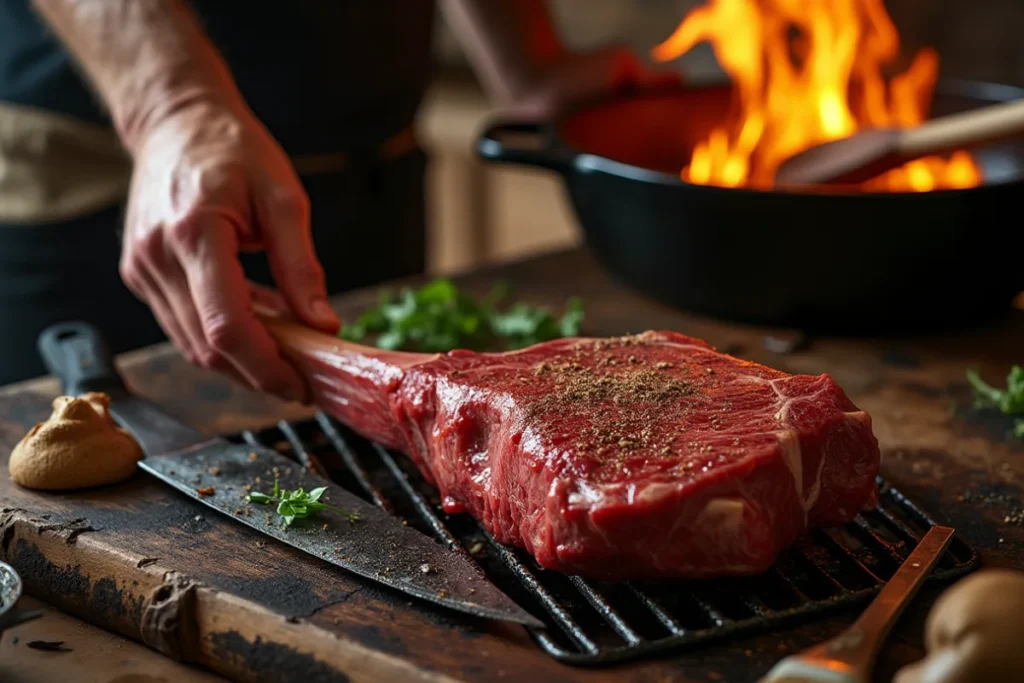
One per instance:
(324, 76)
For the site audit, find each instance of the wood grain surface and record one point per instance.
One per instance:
(154, 566)
(87, 655)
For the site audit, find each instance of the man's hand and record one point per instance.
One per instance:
(209, 181)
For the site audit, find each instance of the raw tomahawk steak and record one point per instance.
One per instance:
(649, 456)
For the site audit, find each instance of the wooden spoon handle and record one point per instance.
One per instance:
(859, 644)
(987, 124)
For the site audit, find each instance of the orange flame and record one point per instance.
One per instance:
(806, 72)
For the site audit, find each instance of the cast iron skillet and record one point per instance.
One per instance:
(828, 261)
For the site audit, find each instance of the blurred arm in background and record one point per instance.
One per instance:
(524, 66)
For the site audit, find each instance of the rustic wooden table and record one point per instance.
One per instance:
(144, 562)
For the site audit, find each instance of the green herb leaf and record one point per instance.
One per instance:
(392, 341)
(1013, 402)
(354, 332)
(438, 291)
(297, 503)
(1009, 401)
(573, 318)
(985, 395)
(438, 317)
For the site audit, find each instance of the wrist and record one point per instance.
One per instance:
(145, 108)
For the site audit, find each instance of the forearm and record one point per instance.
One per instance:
(145, 58)
(511, 43)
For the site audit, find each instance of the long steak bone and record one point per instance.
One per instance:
(647, 456)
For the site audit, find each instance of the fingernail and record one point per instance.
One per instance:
(323, 312)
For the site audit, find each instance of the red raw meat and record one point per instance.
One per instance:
(650, 456)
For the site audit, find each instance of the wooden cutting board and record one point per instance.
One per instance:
(150, 564)
(88, 654)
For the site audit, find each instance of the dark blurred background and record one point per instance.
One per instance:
(977, 39)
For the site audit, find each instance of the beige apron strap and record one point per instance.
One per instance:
(54, 167)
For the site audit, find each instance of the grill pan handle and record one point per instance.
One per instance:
(76, 353)
(527, 143)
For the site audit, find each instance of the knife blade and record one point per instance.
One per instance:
(219, 474)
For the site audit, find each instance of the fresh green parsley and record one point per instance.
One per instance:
(1009, 401)
(297, 504)
(438, 317)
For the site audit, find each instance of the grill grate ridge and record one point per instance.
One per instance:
(590, 622)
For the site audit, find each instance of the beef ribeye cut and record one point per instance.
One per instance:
(646, 456)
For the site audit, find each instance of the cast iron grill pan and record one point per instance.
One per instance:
(593, 622)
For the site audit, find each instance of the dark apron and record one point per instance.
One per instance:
(325, 77)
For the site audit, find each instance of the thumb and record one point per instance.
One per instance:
(283, 217)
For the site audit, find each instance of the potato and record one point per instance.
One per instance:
(973, 632)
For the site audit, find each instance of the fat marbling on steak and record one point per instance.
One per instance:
(647, 456)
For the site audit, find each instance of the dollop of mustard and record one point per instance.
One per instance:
(78, 446)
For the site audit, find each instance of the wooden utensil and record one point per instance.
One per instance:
(850, 656)
(863, 156)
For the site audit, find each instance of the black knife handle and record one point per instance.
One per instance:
(77, 355)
